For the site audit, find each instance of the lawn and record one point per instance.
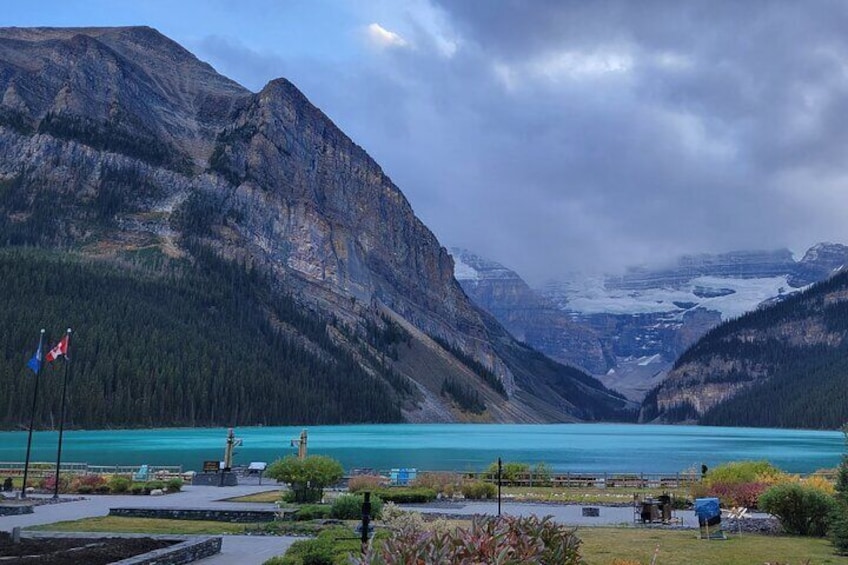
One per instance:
(147, 526)
(682, 547)
(575, 495)
(601, 546)
(265, 496)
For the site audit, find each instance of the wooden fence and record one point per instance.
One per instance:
(40, 469)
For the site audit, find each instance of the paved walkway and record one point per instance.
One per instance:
(254, 550)
(247, 550)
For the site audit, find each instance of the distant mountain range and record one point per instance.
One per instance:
(629, 329)
(121, 151)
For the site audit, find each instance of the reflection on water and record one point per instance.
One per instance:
(563, 447)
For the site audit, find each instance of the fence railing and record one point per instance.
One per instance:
(39, 469)
(597, 480)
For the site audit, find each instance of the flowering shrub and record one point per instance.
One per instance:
(506, 540)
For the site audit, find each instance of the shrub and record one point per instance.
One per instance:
(307, 478)
(820, 483)
(49, 483)
(511, 471)
(175, 484)
(120, 483)
(349, 507)
(332, 547)
(137, 489)
(839, 516)
(737, 494)
(542, 475)
(103, 489)
(406, 495)
(85, 484)
(442, 483)
(506, 539)
(743, 472)
(312, 512)
(802, 510)
(477, 490)
(365, 482)
(150, 486)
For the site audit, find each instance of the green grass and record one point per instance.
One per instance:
(603, 545)
(265, 497)
(587, 495)
(147, 526)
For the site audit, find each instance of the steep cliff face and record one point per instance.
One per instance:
(117, 138)
(527, 315)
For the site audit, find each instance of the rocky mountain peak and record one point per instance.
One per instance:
(150, 148)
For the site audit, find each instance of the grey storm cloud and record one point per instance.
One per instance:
(561, 136)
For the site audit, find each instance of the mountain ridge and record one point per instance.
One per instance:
(104, 151)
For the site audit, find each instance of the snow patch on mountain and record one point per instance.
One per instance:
(462, 271)
(731, 297)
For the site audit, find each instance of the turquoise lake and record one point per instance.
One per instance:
(459, 447)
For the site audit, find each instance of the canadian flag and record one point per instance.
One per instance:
(60, 349)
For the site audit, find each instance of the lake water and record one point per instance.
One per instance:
(458, 447)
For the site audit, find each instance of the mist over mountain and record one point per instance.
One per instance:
(628, 329)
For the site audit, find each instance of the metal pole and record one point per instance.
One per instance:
(500, 469)
(62, 415)
(32, 413)
(366, 519)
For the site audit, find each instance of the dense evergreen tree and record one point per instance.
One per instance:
(165, 343)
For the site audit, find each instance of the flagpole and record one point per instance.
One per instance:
(32, 413)
(62, 414)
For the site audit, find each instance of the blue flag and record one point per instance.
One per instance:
(35, 362)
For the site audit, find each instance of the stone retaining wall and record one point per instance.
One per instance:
(213, 514)
(188, 550)
(15, 509)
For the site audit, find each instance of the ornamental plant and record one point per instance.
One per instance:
(802, 510)
(349, 507)
(306, 478)
(506, 540)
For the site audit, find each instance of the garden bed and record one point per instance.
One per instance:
(51, 548)
(72, 551)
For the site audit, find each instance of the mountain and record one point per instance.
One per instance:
(783, 365)
(528, 316)
(119, 147)
(647, 317)
(628, 329)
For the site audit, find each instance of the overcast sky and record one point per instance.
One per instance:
(553, 135)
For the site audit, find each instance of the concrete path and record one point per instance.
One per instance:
(567, 514)
(246, 550)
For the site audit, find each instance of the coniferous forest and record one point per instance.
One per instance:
(163, 343)
(796, 358)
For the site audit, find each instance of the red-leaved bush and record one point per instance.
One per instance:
(737, 494)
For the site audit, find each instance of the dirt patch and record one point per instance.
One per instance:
(73, 551)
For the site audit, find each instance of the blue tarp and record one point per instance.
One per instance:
(707, 510)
